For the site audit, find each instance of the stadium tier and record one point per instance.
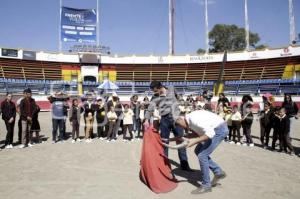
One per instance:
(276, 71)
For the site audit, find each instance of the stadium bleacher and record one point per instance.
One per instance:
(238, 87)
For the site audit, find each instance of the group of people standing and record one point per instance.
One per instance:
(28, 123)
(270, 117)
(110, 116)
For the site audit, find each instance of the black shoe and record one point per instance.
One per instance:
(216, 179)
(185, 166)
(201, 190)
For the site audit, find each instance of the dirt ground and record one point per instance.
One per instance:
(110, 170)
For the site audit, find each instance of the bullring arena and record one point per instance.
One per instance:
(229, 92)
(111, 170)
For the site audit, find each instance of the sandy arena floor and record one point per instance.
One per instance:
(110, 170)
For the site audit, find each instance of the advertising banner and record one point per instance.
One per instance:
(78, 25)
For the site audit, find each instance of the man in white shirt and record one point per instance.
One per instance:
(208, 131)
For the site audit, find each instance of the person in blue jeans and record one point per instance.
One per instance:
(58, 116)
(208, 131)
(165, 99)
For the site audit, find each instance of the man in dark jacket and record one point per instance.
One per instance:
(27, 106)
(8, 110)
(167, 103)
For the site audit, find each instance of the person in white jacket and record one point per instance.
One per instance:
(127, 122)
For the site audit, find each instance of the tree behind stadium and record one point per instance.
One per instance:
(231, 38)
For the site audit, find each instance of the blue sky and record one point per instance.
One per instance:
(141, 26)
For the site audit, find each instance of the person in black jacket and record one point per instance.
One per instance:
(135, 106)
(247, 120)
(290, 107)
(74, 117)
(277, 134)
(223, 100)
(65, 112)
(35, 126)
(285, 131)
(101, 118)
(8, 110)
(265, 124)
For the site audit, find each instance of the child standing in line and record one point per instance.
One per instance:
(101, 119)
(236, 125)
(247, 121)
(74, 114)
(127, 122)
(35, 125)
(141, 120)
(265, 124)
(112, 118)
(227, 118)
(285, 131)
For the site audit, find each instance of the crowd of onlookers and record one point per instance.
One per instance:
(270, 117)
(107, 118)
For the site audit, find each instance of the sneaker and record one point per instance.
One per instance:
(7, 147)
(53, 142)
(238, 144)
(124, 140)
(107, 140)
(101, 138)
(291, 153)
(244, 144)
(251, 145)
(30, 145)
(73, 141)
(201, 190)
(78, 140)
(132, 140)
(231, 142)
(114, 140)
(87, 140)
(21, 146)
(216, 179)
(11, 146)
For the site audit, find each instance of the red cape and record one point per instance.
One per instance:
(155, 167)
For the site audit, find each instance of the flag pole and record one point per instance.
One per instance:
(292, 22)
(171, 27)
(247, 25)
(206, 29)
(98, 27)
(59, 28)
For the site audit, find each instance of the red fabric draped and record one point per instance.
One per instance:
(155, 167)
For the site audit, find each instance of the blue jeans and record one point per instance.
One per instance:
(167, 124)
(203, 151)
(57, 124)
